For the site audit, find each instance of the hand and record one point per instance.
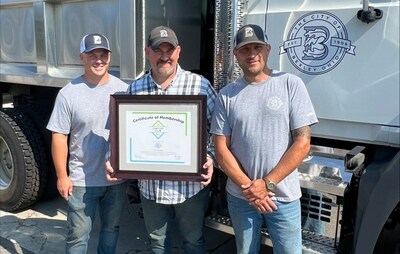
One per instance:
(110, 173)
(254, 190)
(64, 186)
(210, 169)
(265, 205)
(258, 196)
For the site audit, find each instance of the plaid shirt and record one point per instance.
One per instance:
(184, 83)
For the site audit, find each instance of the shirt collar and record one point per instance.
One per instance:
(178, 72)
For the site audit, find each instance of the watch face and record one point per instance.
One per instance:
(271, 186)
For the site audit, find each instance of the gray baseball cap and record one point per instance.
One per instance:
(162, 34)
(250, 34)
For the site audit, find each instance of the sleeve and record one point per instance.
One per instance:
(302, 111)
(211, 97)
(60, 119)
(219, 123)
(130, 89)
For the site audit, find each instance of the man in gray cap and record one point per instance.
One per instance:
(261, 128)
(79, 144)
(169, 204)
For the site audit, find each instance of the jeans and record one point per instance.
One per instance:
(188, 217)
(284, 226)
(82, 207)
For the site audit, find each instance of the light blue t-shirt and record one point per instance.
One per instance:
(82, 110)
(259, 118)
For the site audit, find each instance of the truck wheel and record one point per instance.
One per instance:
(40, 116)
(23, 163)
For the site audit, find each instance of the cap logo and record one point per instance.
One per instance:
(163, 33)
(97, 39)
(248, 32)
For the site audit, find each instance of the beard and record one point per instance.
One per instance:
(254, 71)
(165, 69)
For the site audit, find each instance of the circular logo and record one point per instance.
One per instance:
(317, 43)
(274, 103)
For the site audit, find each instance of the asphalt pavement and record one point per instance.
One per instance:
(42, 229)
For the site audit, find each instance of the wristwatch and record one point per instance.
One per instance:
(269, 185)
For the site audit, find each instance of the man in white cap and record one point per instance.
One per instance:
(79, 144)
(261, 128)
(169, 204)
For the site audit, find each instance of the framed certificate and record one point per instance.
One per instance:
(158, 136)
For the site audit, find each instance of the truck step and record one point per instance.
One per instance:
(323, 184)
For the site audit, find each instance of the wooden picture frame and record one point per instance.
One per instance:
(160, 137)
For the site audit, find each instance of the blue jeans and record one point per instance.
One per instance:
(188, 217)
(284, 226)
(82, 207)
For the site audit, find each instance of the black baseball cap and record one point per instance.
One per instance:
(94, 41)
(162, 34)
(250, 34)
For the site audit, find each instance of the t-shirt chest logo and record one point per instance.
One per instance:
(274, 103)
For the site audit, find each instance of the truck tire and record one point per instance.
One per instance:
(39, 114)
(23, 162)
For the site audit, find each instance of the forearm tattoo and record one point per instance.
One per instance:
(302, 132)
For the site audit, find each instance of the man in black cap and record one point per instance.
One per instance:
(261, 128)
(79, 144)
(169, 204)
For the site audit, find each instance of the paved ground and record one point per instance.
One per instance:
(41, 230)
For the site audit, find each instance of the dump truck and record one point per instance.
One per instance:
(346, 52)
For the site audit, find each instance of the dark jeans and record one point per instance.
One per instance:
(188, 217)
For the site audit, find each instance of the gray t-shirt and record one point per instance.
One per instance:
(82, 110)
(259, 119)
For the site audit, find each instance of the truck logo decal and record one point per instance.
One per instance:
(317, 43)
